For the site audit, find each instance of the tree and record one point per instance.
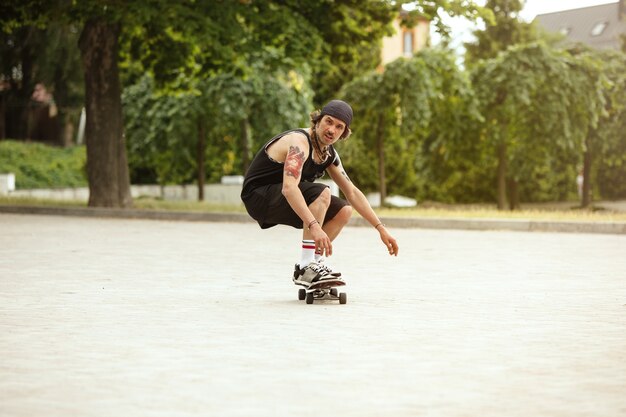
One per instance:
(177, 28)
(413, 121)
(434, 11)
(352, 39)
(535, 99)
(352, 33)
(379, 101)
(30, 55)
(605, 142)
(107, 166)
(229, 98)
(171, 40)
(177, 42)
(505, 30)
(171, 139)
(394, 109)
(450, 161)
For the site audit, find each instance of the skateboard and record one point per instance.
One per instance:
(325, 290)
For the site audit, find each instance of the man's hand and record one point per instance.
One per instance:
(388, 240)
(323, 244)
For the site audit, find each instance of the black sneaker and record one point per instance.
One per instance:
(312, 273)
(328, 268)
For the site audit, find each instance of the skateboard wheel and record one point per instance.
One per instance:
(309, 298)
(334, 292)
(343, 298)
(301, 294)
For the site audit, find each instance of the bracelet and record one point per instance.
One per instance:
(311, 224)
(379, 224)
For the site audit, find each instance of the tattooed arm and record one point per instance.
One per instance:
(292, 171)
(293, 149)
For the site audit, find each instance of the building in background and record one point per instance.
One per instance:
(405, 41)
(601, 27)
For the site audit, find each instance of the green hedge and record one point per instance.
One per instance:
(36, 165)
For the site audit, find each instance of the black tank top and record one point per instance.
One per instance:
(264, 170)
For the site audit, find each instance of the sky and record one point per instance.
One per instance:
(461, 28)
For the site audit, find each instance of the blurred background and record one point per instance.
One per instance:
(505, 102)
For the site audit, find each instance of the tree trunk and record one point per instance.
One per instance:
(380, 133)
(107, 165)
(25, 91)
(513, 193)
(201, 159)
(502, 176)
(245, 145)
(586, 197)
(3, 115)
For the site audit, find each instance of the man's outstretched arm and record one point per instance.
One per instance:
(359, 202)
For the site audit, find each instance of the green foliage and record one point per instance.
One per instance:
(540, 103)
(389, 111)
(29, 55)
(450, 162)
(160, 133)
(162, 127)
(42, 166)
(224, 68)
(611, 175)
(435, 10)
(608, 139)
(352, 35)
(507, 29)
(270, 103)
(427, 107)
(180, 43)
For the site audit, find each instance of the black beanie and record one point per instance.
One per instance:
(339, 109)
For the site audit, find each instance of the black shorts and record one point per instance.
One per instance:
(269, 207)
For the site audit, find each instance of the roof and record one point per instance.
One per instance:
(597, 26)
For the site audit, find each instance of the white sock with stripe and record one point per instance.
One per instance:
(308, 253)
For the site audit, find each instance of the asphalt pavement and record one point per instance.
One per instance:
(132, 317)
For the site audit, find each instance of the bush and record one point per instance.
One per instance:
(36, 165)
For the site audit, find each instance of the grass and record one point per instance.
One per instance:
(191, 206)
(557, 212)
(138, 203)
(37, 165)
(37, 202)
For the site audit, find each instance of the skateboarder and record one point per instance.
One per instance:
(279, 188)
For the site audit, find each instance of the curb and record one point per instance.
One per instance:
(520, 225)
(128, 214)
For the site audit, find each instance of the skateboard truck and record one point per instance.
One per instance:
(325, 291)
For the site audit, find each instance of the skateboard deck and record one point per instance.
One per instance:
(324, 290)
(328, 283)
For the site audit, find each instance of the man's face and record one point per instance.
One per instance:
(329, 129)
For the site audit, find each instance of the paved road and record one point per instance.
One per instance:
(113, 317)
